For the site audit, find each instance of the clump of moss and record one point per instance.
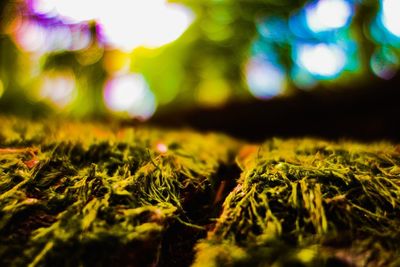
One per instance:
(82, 194)
(74, 194)
(310, 203)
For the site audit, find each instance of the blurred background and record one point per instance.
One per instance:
(250, 68)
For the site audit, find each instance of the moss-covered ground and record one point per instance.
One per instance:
(87, 194)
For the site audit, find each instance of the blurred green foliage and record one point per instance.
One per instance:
(206, 66)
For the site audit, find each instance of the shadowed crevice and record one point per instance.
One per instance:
(201, 209)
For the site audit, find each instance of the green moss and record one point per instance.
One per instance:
(85, 194)
(74, 194)
(314, 203)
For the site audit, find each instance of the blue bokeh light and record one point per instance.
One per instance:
(265, 79)
(385, 29)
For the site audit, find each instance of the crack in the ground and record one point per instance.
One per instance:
(202, 209)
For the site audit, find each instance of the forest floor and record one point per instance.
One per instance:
(93, 194)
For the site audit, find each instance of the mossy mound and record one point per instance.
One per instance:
(310, 203)
(76, 194)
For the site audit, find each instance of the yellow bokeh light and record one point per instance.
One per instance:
(213, 92)
(90, 56)
(1, 88)
(306, 255)
(115, 61)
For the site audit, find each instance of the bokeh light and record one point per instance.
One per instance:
(264, 78)
(130, 93)
(384, 63)
(1, 88)
(217, 27)
(81, 37)
(34, 36)
(324, 15)
(30, 36)
(125, 24)
(116, 61)
(302, 78)
(318, 37)
(90, 56)
(59, 87)
(274, 29)
(213, 92)
(75, 11)
(322, 60)
(130, 24)
(300, 45)
(391, 16)
(161, 147)
(57, 39)
(45, 8)
(70, 11)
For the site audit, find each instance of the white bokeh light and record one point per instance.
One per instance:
(75, 11)
(321, 59)
(44, 7)
(130, 93)
(126, 24)
(31, 36)
(131, 24)
(391, 16)
(265, 80)
(58, 39)
(80, 38)
(59, 87)
(328, 15)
